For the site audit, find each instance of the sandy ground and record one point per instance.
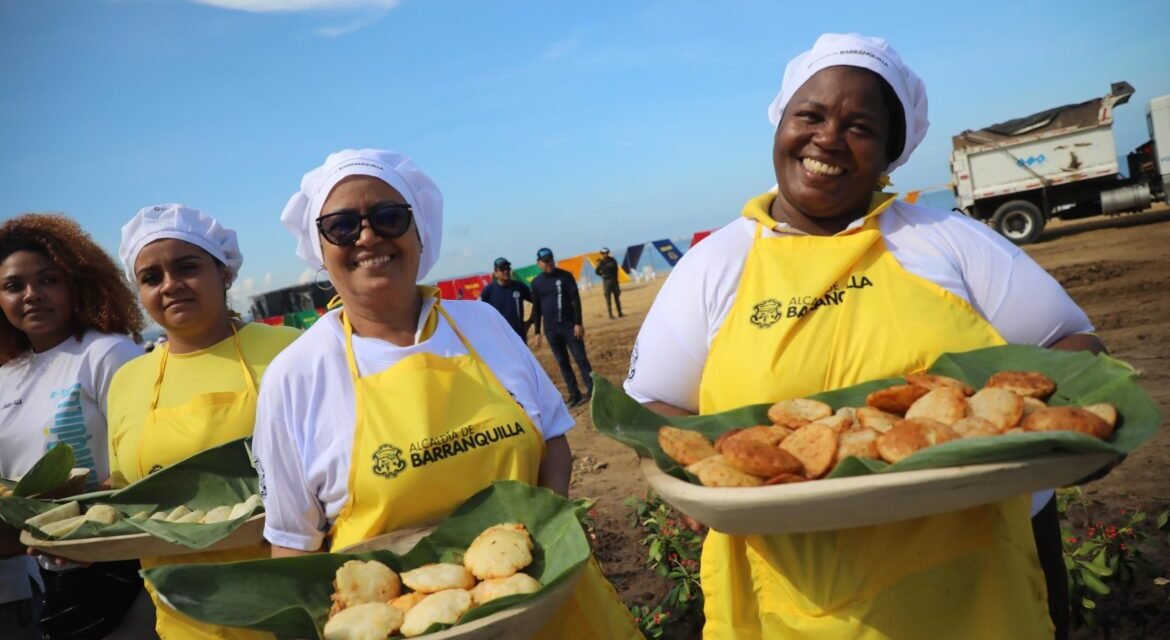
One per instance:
(1117, 269)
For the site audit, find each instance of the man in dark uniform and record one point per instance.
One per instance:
(608, 268)
(556, 303)
(508, 296)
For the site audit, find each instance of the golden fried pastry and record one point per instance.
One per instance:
(718, 473)
(5, 491)
(723, 437)
(406, 601)
(694, 469)
(499, 551)
(1032, 404)
(1001, 407)
(904, 439)
(432, 578)
(786, 478)
(860, 443)
(876, 419)
(357, 582)
(896, 399)
(931, 382)
(798, 412)
(839, 422)
(444, 607)
(1068, 419)
(1105, 411)
(489, 590)
(1025, 383)
(684, 447)
(770, 435)
(815, 445)
(945, 404)
(370, 621)
(757, 457)
(973, 427)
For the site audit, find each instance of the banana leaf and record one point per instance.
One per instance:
(222, 475)
(291, 596)
(1081, 378)
(50, 472)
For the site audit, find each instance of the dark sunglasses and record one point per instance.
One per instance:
(343, 228)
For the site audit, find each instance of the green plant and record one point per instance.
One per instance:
(672, 551)
(1105, 559)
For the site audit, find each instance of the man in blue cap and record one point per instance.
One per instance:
(508, 296)
(607, 268)
(556, 303)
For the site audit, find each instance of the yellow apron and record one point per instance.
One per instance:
(818, 313)
(171, 434)
(411, 464)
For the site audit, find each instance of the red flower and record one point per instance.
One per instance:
(1111, 532)
(1072, 540)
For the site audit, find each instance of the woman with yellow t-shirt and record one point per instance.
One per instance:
(736, 324)
(350, 415)
(199, 389)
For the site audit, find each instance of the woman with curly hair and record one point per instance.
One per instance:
(67, 322)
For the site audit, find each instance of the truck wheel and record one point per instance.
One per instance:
(1019, 221)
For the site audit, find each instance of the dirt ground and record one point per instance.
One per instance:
(1117, 269)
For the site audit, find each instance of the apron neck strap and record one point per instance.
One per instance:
(249, 381)
(351, 358)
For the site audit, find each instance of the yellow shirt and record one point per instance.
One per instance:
(188, 375)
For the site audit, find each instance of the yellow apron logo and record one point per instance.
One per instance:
(388, 461)
(767, 313)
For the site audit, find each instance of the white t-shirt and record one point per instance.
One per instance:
(55, 396)
(1023, 302)
(304, 434)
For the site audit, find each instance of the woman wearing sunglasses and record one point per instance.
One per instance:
(199, 389)
(350, 414)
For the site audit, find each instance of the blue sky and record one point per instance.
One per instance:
(567, 124)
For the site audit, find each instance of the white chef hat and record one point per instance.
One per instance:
(395, 169)
(180, 223)
(875, 54)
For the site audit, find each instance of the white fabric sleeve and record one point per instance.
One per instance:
(294, 517)
(1018, 297)
(666, 364)
(107, 364)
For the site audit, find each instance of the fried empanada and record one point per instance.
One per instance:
(499, 551)
(1001, 407)
(684, 447)
(876, 419)
(1030, 405)
(896, 399)
(444, 607)
(432, 578)
(1105, 411)
(369, 621)
(931, 382)
(406, 601)
(860, 443)
(357, 582)
(912, 435)
(815, 445)
(489, 590)
(718, 473)
(1068, 419)
(945, 404)
(757, 457)
(839, 422)
(694, 469)
(770, 435)
(798, 412)
(785, 478)
(1025, 383)
(973, 427)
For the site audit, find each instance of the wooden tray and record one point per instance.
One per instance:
(844, 503)
(517, 622)
(139, 545)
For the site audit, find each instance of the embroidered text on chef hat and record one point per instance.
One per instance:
(179, 222)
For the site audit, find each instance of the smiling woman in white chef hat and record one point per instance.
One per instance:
(729, 328)
(199, 389)
(347, 415)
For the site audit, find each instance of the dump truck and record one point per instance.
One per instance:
(1060, 163)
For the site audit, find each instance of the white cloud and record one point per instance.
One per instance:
(268, 279)
(269, 6)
